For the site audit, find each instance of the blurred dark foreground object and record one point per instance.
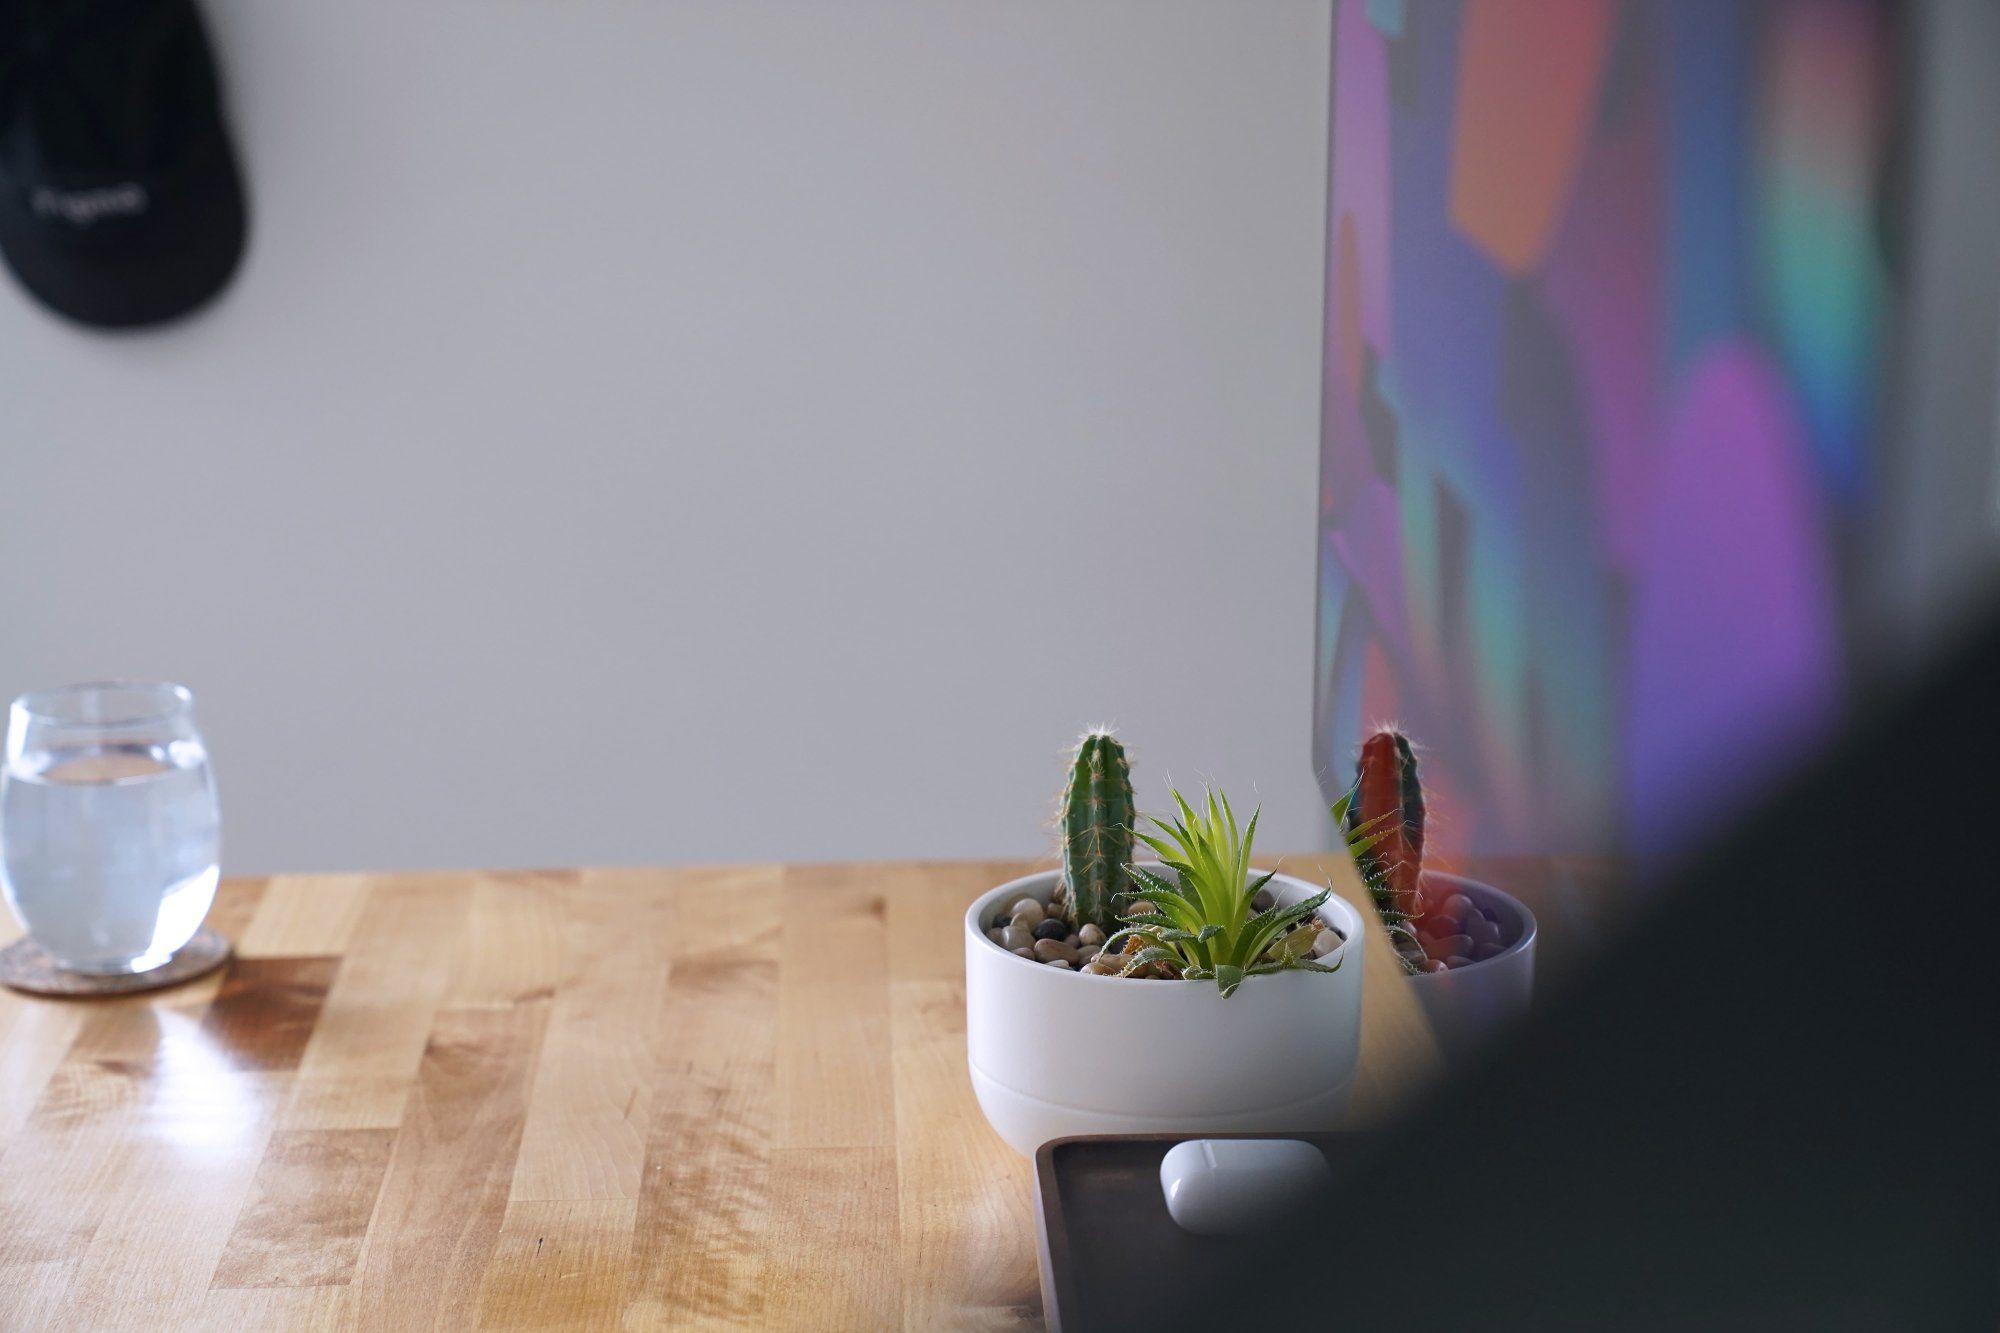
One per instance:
(1771, 1106)
(120, 199)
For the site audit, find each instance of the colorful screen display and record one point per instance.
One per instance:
(1605, 316)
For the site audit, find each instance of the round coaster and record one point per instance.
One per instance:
(24, 965)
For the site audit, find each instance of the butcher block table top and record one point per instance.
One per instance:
(577, 1098)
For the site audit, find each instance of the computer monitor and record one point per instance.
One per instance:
(1658, 402)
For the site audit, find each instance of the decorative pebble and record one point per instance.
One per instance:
(1028, 954)
(1328, 941)
(1262, 901)
(1458, 907)
(1457, 961)
(1141, 906)
(1016, 938)
(1087, 952)
(1482, 952)
(1451, 946)
(1049, 950)
(1049, 929)
(1027, 913)
(1073, 939)
(1434, 965)
(1062, 963)
(995, 935)
(1482, 931)
(1091, 933)
(1102, 965)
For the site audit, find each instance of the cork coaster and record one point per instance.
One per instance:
(24, 965)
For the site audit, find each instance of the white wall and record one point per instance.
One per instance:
(688, 430)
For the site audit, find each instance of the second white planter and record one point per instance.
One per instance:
(1468, 1006)
(1055, 1052)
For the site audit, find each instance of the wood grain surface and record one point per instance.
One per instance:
(726, 1097)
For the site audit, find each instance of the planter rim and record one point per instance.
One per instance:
(1019, 886)
(1529, 926)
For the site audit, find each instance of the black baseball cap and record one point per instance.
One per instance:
(120, 199)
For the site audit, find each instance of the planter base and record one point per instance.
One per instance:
(1028, 1122)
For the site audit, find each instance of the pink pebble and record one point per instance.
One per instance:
(1449, 945)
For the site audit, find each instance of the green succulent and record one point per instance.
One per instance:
(1203, 927)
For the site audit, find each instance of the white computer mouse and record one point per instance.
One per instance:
(1225, 1187)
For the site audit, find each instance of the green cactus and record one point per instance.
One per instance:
(1382, 816)
(1097, 819)
(1392, 795)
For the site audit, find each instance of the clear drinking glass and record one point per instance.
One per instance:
(109, 832)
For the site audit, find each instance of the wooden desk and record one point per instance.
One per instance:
(729, 1096)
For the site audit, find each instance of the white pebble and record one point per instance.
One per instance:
(1090, 934)
(1028, 954)
(1059, 962)
(1027, 913)
(1328, 941)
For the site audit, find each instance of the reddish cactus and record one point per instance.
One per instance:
(1388, 790)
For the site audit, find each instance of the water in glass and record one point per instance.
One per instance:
(109, 836)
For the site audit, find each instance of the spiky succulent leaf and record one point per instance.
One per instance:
(1268, 925)
(1164, 896)
(1295, 965)
(1291, 944)
(1147, 931)
(1156, 954)
(1168, 852)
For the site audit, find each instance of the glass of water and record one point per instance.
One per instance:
(109, 833)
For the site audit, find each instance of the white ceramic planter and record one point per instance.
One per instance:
(1469, 1005)
(1055, 1053)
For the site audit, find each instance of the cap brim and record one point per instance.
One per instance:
(182, 256)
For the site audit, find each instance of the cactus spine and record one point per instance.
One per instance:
(1097, 819)
(1387, 789)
